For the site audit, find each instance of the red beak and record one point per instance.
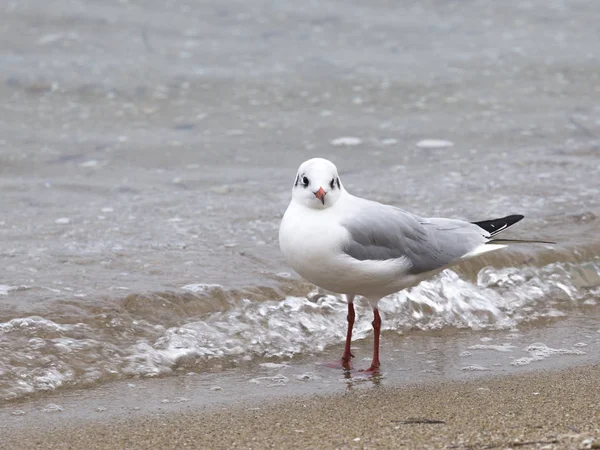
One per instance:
(320, 194)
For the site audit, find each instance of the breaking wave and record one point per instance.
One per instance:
(207, 323)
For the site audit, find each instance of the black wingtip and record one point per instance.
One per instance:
(495, 226)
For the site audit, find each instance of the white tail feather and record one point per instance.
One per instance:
(483, 248)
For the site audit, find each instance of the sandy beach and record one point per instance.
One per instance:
(543, 409)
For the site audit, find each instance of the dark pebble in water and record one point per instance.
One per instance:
(585, 217)
(412, 421)
(184, 127)
(68, 158)
(126, 190)
(38, 88)
(141, 91)
(13, 82)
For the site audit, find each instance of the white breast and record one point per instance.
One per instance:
(311, 242)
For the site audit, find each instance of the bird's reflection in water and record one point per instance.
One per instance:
(353, 377)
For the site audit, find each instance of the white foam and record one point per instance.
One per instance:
(540, 351)
(5, 289)
(62, 221)
(444, 300)
(280, 328)
(274, 365)
(53, 407)
(499, 348)
(475, 368)
(307, 376)
(50, 38)
(175, 400)
(276, 380)
(32, 322)
(200, 287)
(431, 144)
(346, 141)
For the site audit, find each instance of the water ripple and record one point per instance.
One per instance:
(39, 354)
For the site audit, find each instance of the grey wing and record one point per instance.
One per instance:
(381, 232)
(452, 239)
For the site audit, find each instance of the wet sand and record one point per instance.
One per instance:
(543, 409)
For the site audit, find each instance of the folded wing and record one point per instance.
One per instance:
(380, 232)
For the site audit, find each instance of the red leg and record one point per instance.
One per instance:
(347, 356)
(376, 331)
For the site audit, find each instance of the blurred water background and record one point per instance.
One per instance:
(147, 153)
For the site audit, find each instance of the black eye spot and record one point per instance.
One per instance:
(338, 183)
(305, 181)
(332, 184)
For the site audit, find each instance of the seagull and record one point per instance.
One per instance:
(358, 247)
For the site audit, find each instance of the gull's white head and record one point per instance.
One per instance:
(317, 184)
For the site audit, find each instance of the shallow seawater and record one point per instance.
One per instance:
(415, 358)
(203, 328)
(145, 165)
